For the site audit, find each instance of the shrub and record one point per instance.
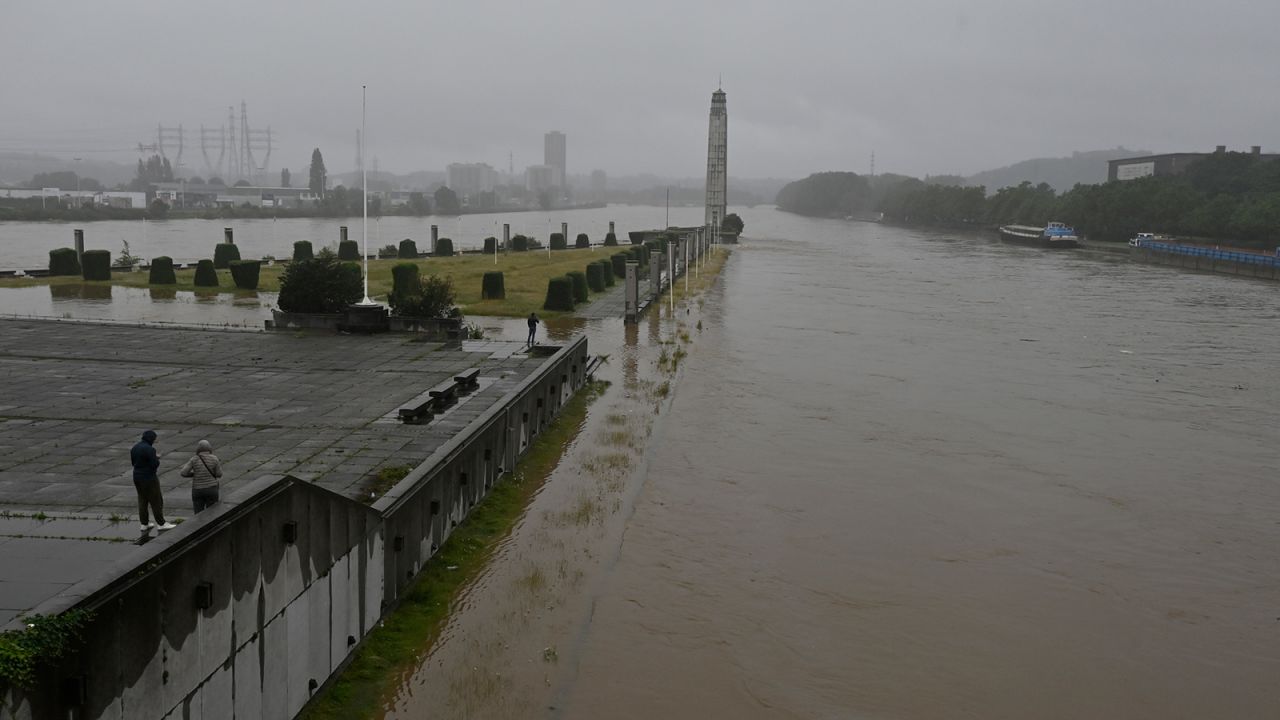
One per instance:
(223, 254)
(433, 298)
(490, 245)
(444, 248)
(559, 294)
(636, 236)
(206, 274)
(493, 286)
(245, 273)
(324, 284)
(583, 241)
(96, 265)
(348, 250)
(63, 261)
(732, 224)
(606, 271)
(595, 277)
(302, 250)
(558, 242)
(619, 261)
(611, 240)
(405, 282)
(519, 243)
(387, 252)
(408, 249)
(579, 280)
(162, 272)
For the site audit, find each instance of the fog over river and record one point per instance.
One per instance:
(915, 475)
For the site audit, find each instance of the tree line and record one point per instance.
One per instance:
(1227, 197)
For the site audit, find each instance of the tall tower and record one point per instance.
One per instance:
(717, 160)
(553, 153)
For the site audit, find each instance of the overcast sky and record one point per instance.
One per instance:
(930, 87)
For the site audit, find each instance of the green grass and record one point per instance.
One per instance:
(397, 645)
(525, 276)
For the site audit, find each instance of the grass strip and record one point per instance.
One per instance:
(400, 642)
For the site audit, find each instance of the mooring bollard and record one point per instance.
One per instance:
(342, 233)
(79, 246)
(435, 237)
(655, 275)
(633, 291)
(228, 236)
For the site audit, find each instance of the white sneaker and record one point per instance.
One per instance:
(166, 526)
(146, 527)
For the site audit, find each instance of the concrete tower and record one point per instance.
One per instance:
(553, 152)
(717, 160)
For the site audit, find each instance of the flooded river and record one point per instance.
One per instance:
(901, 474)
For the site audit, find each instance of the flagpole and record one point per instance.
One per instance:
(364, 181)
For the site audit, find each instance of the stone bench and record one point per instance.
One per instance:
(417, 411)
(443, 395)
(467, 380)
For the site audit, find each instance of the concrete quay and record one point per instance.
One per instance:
(245, 610)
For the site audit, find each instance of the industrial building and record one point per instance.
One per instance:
(1166, 164)
(553, 153)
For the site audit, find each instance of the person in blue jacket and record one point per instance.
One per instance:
(147, 482)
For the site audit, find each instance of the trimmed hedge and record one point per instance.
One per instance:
(444, 247)
(206, 274)
(579, 280)
(493, 286)
(245, 273)
(558, 242)
(223, 254)
(405, 281)
(519, 243)
(611, 240)
(490, 245)
(606, 271)
(595, 277)
(583, 241)
(348, 250)
(96, 265)
(408, 250)
(559, 294)
(63, 261)
(162, 272)
(619, 261)
(302, 250)
(636, 236)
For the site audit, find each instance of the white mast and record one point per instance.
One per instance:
(364, 181)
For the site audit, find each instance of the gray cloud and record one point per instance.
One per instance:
(930, 87)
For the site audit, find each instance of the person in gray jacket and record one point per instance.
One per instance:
(205, 471)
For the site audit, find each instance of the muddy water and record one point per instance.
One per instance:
(905, 475)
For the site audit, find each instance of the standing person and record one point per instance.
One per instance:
(533, 326)
(147, 483)
(204, 470)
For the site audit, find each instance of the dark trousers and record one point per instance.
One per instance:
(202, 498)
(533, 330)
(149, 496)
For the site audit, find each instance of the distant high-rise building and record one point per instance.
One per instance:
(717, 160)
(554, 154)
(538, 178)
(599, 191)
(467, 179)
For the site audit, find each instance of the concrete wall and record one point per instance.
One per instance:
(284, 614)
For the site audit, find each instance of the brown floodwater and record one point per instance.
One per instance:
(901, 474)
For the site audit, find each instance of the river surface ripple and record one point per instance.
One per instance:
(912, 475)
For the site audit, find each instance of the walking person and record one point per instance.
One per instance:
(533, 327)
(205, 471)
(147, 482)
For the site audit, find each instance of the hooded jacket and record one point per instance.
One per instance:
(203, 468)
(144, 457)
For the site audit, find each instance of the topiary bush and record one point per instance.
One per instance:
(579, 280)
(245, 273)
(348, 250)
(63, 261)
(302, 250)
(206, 274)
(223, 254)
(433, 298)
(490, 245)
(519, 243)
(606, 271)
(595, 277)
(162, 272)
(558, 242)
(493, 286)
(636, 236)
(583, 241)
(408, 249)
(559, 294)
(611, 240)
(619, 261)
(96, 265)
(444, 247)
(405, 282)
(323, 284)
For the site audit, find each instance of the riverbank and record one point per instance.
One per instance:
(10, 213)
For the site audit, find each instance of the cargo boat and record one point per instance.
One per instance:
(1053, 235)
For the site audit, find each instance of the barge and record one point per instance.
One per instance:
(1053, 235)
